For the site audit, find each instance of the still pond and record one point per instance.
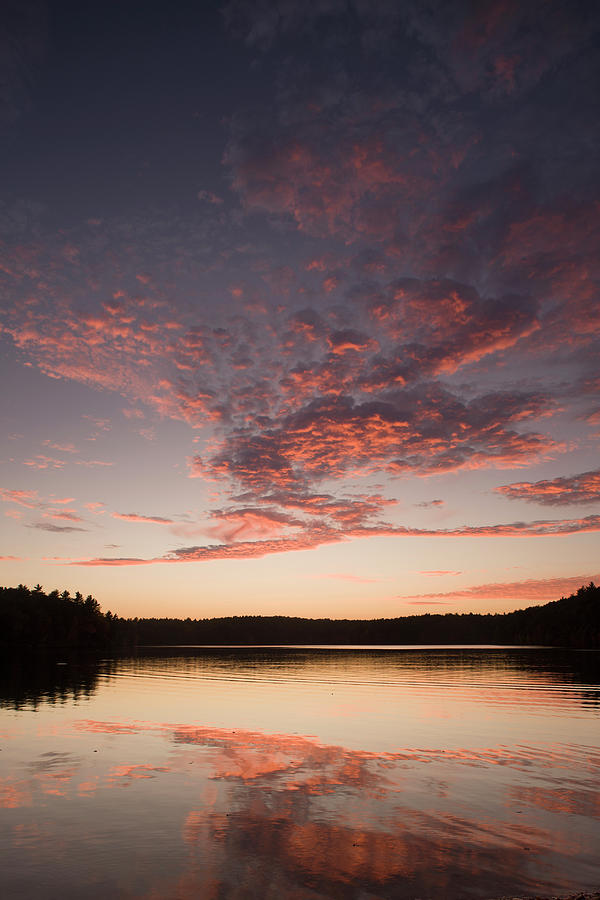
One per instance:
(304, 773)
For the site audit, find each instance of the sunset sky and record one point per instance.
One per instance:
(299, 304)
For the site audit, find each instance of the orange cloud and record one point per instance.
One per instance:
(348, 339)
(67, 514)
(437, 572)
(573, 489)
(44, 462)
(322, 534)
(23, 498)
(134, 517)
(249, 523)
(535, 589)
(64, 448)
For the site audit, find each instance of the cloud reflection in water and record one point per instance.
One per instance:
(286, 815)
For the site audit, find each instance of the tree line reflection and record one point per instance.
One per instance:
(56, 677)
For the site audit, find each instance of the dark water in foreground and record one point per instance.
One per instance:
(301, 773)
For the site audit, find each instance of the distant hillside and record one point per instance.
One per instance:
(56, 619)
(570, 622)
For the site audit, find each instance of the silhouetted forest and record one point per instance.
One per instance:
(570, 622)
(38, 619)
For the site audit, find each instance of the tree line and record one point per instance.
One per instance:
(42, 620)
(56, 619)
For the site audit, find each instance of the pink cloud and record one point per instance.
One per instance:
(335, 387)
(350, 186)
(322, 534)
(249, 523)
(134, 517)
(44, 462)
(440, 324)
(348, 339)
(22, 497)
(116, 561)
(446, 324)
(418, 430)
(31, 500)
(427, 602)
(573, 489)
(538, 590)
(64, 448)
(67, 514)
(436, 572)
(99, 424)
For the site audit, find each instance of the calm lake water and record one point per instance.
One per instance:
(301, 773)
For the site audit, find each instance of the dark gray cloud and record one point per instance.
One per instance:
(56, 529)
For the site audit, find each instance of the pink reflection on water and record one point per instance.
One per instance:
(14, 793)
(561, 800)
(122, 776)
(307, 859)
(287, 815)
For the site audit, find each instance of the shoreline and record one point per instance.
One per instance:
(578, 895)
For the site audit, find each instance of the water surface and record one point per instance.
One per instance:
(302, 773)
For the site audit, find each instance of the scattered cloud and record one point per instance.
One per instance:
(561, 491)
(44, 462)
(93, 463)
(538, 590)
(63, 448)
(51, 508)
(27, 498)
(134, 517)
(56, 529)
(436, 572)
(404, 286)
(68, 514)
